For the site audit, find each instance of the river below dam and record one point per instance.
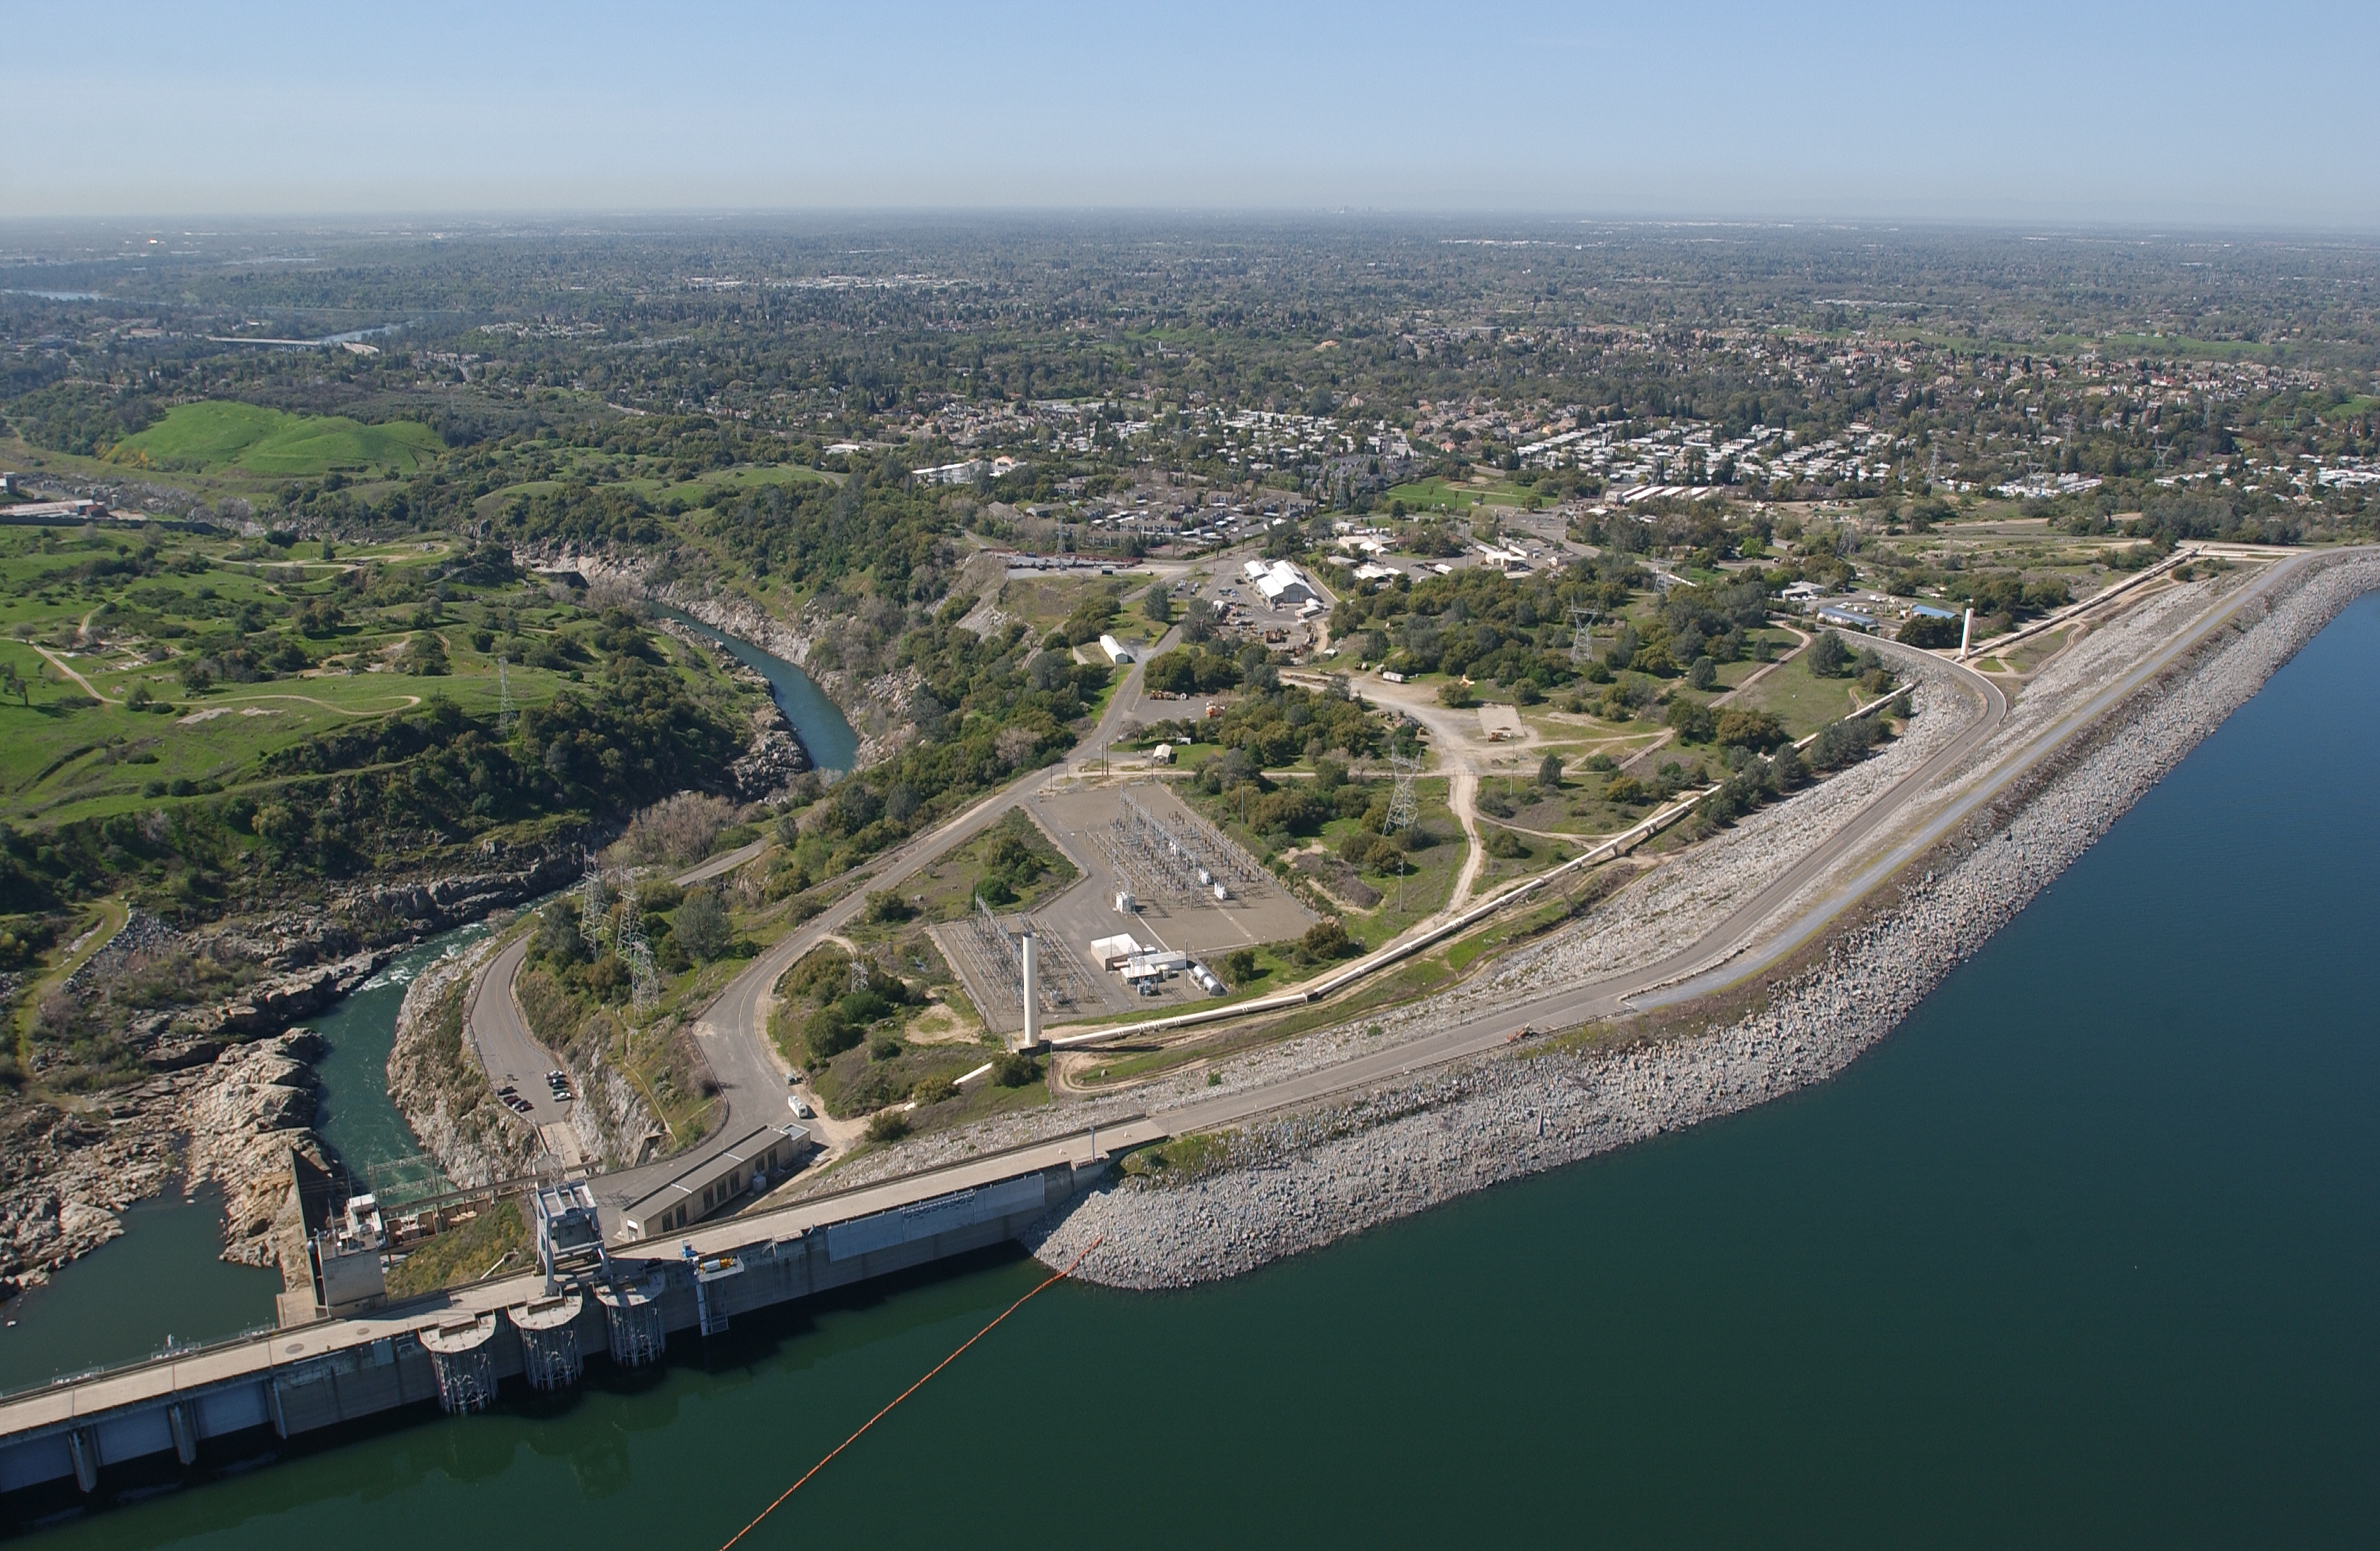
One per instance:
(826, 735)
(161, 1281)
(2087, 1251)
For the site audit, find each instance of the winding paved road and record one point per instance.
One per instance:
(732, 1030)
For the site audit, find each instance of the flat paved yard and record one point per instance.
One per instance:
(1159, 860)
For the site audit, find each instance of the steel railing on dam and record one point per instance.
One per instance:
(453, 1348)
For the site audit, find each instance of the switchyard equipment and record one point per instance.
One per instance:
(998, 955)
(1128, 872)
(1189, 859)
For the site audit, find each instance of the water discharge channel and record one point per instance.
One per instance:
(2083, 1254)
(163, 1280)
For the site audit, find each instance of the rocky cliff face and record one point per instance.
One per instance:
(232, 1120)
(876, 706)
(257, 1109)
(511, 874)
(774, 755)
(439, 1086)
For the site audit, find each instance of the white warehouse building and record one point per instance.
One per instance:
(1283, 585)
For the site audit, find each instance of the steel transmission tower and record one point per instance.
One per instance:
(1582, 636)
(1403, 805)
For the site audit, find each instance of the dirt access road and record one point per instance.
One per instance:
(1719, 958)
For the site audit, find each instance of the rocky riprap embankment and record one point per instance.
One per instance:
(234, 1120)
(1293, 1184)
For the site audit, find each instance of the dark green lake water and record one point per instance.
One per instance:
(2088, 1252)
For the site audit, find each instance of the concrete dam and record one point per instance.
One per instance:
(621, 1300)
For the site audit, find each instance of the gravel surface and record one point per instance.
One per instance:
(1293, 1184)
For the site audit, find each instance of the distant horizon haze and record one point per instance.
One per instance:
(2106, 115)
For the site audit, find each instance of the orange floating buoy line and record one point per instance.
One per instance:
(1055, 1276)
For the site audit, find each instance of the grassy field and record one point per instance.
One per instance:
(84, 646)
(1417, 893)
(1801, 700)
(205, 438)
(1436, 495)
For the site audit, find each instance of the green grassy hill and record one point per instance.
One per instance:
(204, 438)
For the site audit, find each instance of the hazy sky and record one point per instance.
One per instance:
(1990, 110)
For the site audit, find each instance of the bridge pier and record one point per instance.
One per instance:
(82, 1445)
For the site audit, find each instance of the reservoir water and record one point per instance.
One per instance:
(2087, 1253)
(826, 735)
(159, 1284)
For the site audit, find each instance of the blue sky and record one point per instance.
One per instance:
(2174, 114)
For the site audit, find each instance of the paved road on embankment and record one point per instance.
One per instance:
(1687, 972)
(511, 1054)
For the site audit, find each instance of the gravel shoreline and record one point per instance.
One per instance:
(1295, 1182)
